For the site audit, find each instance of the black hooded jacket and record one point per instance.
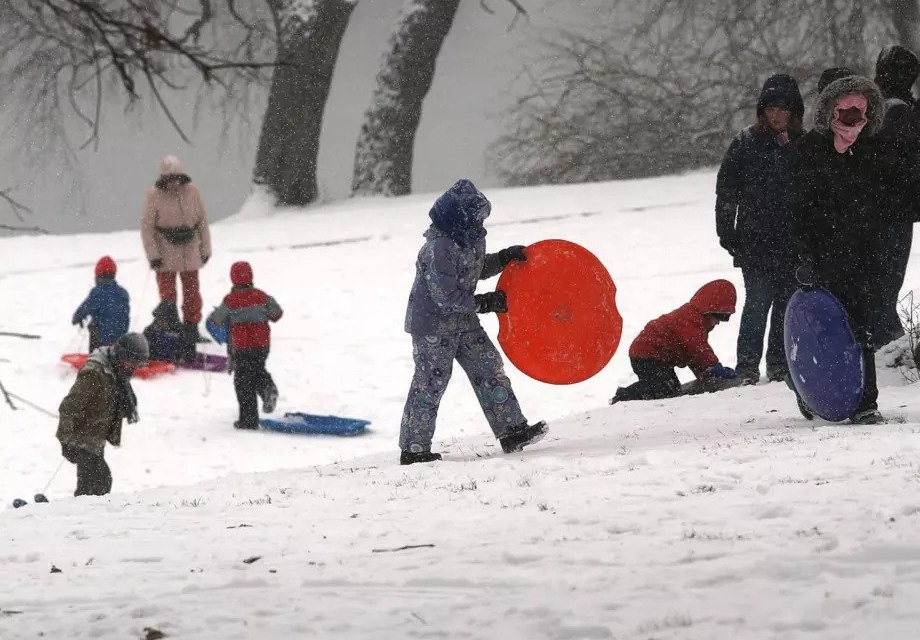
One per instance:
(755, 189)
(846, 199)
(895, 74)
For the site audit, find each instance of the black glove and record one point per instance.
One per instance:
(492, 302)
(204, 260)
(729, 245)
(512, 254)
(156, 263)
(805, 274)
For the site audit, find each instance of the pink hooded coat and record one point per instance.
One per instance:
(172, 207)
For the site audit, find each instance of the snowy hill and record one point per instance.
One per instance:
(724, 516)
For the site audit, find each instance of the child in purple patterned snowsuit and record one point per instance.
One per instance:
(441, 317)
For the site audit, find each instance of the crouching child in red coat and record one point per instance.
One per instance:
(680, 339)
(245, 313)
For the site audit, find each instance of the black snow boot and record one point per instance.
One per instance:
(803, 409)
(270, 399)
(522, 436)
(867, 417)
(778, 374)
(190, 337)
(408, 457)
(243, 425)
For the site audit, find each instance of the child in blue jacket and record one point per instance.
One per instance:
(109, 306)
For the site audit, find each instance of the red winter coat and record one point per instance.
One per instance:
(247, 311)
(681, 338)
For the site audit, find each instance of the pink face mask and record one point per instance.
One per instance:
(849, 120)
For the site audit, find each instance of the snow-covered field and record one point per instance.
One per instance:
(722, 516)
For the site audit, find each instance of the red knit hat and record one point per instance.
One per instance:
(241, 274)
(106, 267)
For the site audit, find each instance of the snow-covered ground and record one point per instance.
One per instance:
(721, 516)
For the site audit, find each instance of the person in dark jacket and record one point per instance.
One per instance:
(441, 317)
(165, 334)
(245, 312)
(680, 339)
(93, 411)
(108, 304)
(896, 72)
(754, 198)
(848, 192)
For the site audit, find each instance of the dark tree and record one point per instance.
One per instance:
(309, 35)
(383, 156)
(905, 17)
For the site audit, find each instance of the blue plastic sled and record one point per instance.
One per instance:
(305, 423)
(219, 333)
(825, 361)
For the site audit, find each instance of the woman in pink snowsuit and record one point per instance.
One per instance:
(177, 241)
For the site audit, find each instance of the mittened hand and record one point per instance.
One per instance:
(512, 254)
(156, 263)
(719, 371)
(492, 302)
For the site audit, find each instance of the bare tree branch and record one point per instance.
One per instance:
(17, 207)
(85, 49)
(666, 91)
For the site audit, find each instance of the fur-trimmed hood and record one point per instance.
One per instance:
(875, 114)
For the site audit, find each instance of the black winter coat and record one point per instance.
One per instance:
(755, 195)
(839, 208)
(846, 200)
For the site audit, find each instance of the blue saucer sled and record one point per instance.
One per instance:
(825, 361)
(305, 423)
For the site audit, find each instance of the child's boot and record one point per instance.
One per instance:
(408, 457)
(270, 398)
(522, 436)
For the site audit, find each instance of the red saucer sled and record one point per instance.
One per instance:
(562, 325)
(154, 367)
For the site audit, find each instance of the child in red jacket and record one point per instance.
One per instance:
(679, 339)
(246, 312)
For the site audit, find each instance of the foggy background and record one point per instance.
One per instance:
(461, 117)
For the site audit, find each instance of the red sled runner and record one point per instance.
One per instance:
(153, 369)
(562, 324)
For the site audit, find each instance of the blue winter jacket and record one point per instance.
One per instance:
(108, 304)
(441, 301)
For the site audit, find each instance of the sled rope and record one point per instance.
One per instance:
(50, 414)
(6, 397)
(53, 476)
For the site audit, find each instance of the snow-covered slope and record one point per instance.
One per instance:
(724, 516)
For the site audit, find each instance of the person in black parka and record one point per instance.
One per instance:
(848, 192)
(896, 71)
(754, 198)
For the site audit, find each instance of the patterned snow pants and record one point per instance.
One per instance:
(434, 360)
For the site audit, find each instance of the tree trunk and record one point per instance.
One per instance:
(383, 157)
(309, 35)
(905, 17)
